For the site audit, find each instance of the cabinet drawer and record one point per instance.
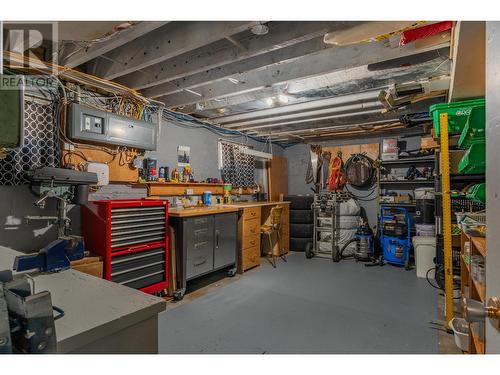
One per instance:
(251, 213)
(198, 222)
(250, 258)
(250, 241)
(200, 264)
(251, 227)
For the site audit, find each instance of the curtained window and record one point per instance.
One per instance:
(237, 168)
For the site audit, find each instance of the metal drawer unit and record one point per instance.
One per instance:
(131, 235)
(204, 244)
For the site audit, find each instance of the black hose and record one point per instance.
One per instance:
(341, 252)
(368, 163)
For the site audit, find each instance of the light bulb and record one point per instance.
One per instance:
(283, 98)
(269, 101)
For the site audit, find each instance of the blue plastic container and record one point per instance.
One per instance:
(207, 198)
(396, 249)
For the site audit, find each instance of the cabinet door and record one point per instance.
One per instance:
(225, 239)
(199, 235)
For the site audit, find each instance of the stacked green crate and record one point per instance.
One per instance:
(477, 192)
(473, 139)
(458, 113)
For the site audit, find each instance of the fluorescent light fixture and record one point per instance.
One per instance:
(257, 154)
(233, 80)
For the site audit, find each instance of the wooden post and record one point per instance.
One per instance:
(445, 193)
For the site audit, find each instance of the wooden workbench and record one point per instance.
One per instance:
(252, 216)
(201, 211)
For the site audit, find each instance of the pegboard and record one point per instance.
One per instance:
(119, 169)
(372, 150)
(40, 144)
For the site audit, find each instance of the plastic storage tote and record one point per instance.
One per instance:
(474, 129)
(474, 160)
(425, 251)
(477, 192)
(458, 113)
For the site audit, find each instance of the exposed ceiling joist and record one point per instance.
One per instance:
(227, 71)
(281, 34)
(163, 43)
(308, 66)
(80, 55)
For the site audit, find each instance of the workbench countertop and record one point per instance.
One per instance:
(218, 209)
(242, 205)
(94, 308)
(200, 211)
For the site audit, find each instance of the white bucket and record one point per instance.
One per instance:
(424, 193)
(426, 230)
(425, 251)
(460, 329)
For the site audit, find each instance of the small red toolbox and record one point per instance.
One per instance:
(132, 237)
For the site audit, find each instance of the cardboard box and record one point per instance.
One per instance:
(402, 199)
(455, 157)
(92, 265)
(428, 143)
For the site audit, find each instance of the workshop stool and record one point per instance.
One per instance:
(270, 230)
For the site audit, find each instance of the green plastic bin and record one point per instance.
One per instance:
(474, 160)
(474, 129)
(458, 113)
(477, 192)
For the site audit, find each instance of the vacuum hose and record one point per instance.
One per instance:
(341, 252)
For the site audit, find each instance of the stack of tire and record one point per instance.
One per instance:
(301, 222)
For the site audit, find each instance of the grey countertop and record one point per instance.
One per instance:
(94, 308)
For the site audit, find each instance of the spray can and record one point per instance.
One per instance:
(151, 169)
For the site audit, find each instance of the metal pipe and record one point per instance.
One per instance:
(299, 107)
(306, 114)
(310, 130)
(310, 120)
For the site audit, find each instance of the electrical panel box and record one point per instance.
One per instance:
(91, 124)
(11, 111)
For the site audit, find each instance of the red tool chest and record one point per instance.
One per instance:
(132, 237)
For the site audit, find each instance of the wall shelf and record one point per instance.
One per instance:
(179, 188)
(418, 160)
(407, 182)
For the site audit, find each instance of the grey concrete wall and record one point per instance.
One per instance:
(16, 202)
(298, 160)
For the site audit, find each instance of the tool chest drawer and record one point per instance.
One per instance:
(131, 235)
(130, 226)
(139, 268)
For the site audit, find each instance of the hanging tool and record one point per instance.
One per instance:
(314, 169)
(337, 178)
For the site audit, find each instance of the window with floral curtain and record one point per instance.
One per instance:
(237, 168)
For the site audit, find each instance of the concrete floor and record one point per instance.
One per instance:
(305, 306)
